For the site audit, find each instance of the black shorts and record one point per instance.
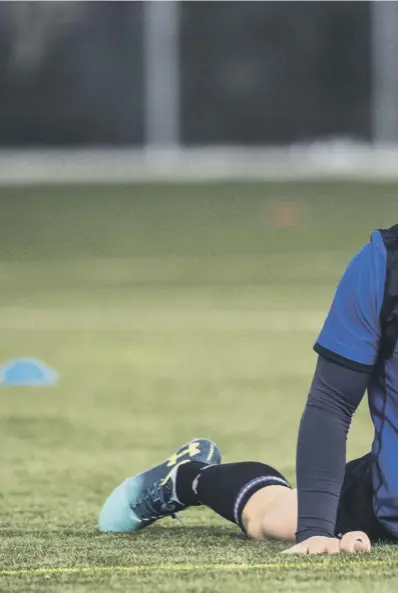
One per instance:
(355, 512)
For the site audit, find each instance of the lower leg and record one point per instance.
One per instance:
(253, 495)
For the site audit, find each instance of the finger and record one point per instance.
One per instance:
(361, 546)
(331, 546)
(334, 547)
(297, 549)
(362, 542)
(355, 541)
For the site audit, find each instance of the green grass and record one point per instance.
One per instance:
(170, 312)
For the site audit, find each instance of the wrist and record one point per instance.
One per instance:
(305, 534)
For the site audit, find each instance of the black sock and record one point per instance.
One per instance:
(225, 488)
(186, 476)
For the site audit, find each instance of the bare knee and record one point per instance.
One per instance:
(271, 514)
(280, 519)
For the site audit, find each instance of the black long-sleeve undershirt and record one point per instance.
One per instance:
(335, 394)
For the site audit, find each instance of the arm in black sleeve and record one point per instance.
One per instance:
(335, 394)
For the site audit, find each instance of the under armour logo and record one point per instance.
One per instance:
(191, 450)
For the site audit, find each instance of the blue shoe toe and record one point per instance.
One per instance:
(116, 515)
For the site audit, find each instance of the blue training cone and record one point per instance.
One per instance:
(28, 372)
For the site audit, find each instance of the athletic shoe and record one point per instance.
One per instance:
(151, 495)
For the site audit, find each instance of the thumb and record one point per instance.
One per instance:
(362, 545)
(355, 541)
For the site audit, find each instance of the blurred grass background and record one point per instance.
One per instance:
(170, 311)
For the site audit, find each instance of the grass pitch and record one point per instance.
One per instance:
(170, 312)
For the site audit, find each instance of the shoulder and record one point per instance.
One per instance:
(352, 329)
(365, 276)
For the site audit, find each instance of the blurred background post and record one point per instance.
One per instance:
(208, 85)
(181, 186)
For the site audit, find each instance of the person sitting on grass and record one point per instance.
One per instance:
(337, 506)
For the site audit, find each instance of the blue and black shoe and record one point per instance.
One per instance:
(143, 499)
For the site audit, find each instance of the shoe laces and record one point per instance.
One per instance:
(153, 503)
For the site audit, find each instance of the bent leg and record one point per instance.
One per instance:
(253, 495)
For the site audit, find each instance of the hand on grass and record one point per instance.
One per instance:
(354, 541)
(316, 545)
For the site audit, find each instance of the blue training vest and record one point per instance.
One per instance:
(383, 395)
